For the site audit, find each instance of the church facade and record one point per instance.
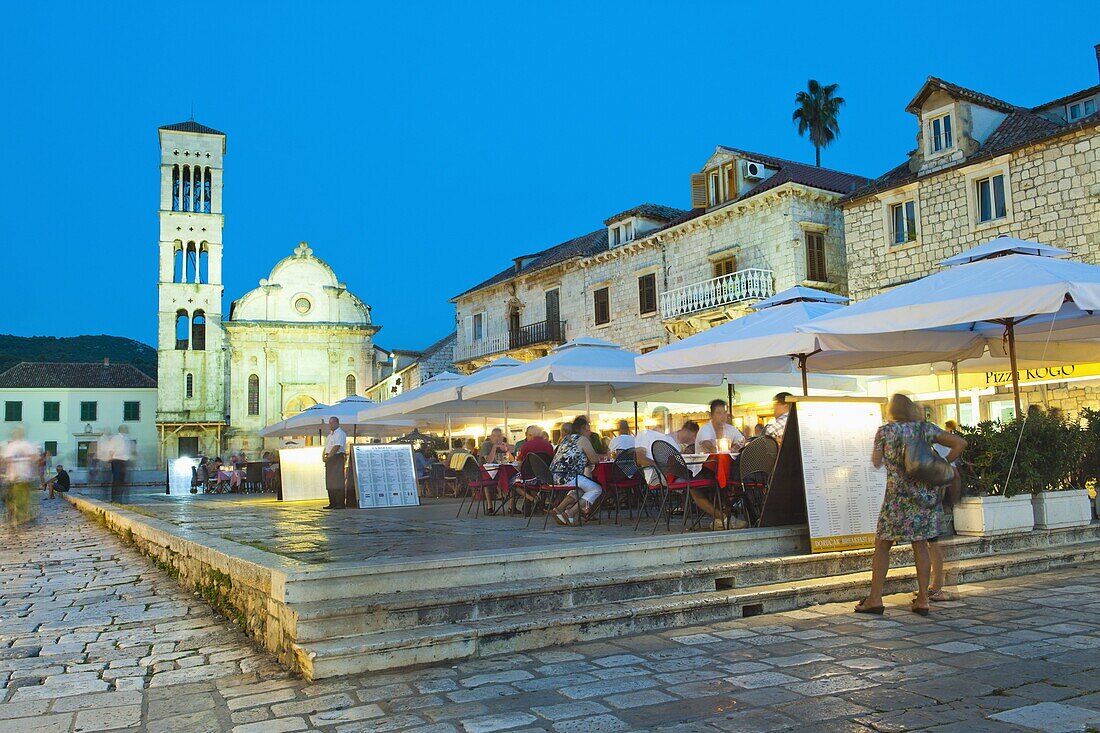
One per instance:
(298, 339)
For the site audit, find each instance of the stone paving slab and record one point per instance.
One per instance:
(75, 656)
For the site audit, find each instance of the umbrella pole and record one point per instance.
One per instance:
(958, 402)
(805, 380)
(507, 434)
(635, 418)
(1011, 335)
(729, 394)
(449, 441)
(587, 401)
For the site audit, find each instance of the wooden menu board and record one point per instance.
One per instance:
(385, 476)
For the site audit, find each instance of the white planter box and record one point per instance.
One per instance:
(1058, 509)
(986, 516)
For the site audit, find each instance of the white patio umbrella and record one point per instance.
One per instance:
(1025, 298)
(347, 411)
(585, 368)
(767, 341)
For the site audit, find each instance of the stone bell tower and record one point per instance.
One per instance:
(191, 367)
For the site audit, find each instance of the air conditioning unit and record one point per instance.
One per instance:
(752, 169)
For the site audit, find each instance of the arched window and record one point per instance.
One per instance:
(349, 385)
(177, 264)
(175, 188)
(186, 177)
(204, 264)
(198, 331)
(182, 327)
(253, 395)
(196, 188)
(206, 186)
(192, 273)
(189, 385)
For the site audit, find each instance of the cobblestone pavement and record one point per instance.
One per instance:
(94, 637)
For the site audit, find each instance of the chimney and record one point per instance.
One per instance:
(107, 362)
(1097, 49)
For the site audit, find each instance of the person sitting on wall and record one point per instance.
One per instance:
(59, 481)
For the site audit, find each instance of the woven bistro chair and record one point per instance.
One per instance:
(476, 481)
(678, 480)
(626, 484)
(755, 467)
(548, 490)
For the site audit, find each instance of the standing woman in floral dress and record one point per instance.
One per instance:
(909, 508)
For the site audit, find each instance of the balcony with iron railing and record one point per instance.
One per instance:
(733, 289)
(542, 333)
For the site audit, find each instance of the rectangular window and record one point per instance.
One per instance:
(715, 188)
(131, 411)
(13, 411)
(725, 266)
(50, 446)
(815, 257)
(942, 138)
(614, 235)
(51, 412)
(904, 218)
(88, 411)
(602, 304)
(1090, 107)
(731, 181)
(479, 326)
(647, 294)
(1074, 111)
(991, 198)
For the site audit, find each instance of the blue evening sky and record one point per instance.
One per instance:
(419, 146)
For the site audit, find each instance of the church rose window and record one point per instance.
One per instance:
(302, 305)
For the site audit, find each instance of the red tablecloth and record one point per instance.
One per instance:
(505, 473)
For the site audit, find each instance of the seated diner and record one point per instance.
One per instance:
(572, 465)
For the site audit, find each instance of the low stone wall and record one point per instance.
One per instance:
(243, 583)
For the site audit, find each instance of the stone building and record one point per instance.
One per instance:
(982, 167)
(409, 369)
(298, 339)
(655, 273)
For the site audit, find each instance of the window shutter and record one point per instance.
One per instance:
(468, 328)
(698, 191)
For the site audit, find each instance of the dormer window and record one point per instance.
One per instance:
(1077, 110)
(621, 232)
(941, 135)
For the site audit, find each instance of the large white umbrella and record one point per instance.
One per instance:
(767, 341)
(348, 411)
(583, 369)
(1008, 290)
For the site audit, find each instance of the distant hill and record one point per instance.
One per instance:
(14, 349)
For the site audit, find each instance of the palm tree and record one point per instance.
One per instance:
(817, 111)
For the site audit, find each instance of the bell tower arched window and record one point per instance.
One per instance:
(198, 331)
(204, 264)
(196, 188)
(253, 395)
(189, 386)
(182, 327)
(192, 274)
(206, 186)
(175, 188)
(185, 176)
(349, 385)
(177, 264)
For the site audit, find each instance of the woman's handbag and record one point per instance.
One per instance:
(924, 464)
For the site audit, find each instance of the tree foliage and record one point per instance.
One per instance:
(817, 111)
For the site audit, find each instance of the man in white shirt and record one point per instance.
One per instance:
(20, 461)
(716, 428)
(623, 440)
(643, 446)
(335, 456)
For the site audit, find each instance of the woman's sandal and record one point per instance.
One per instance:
(559, 518)
(877, 610)
(939, 596)
(919, 610)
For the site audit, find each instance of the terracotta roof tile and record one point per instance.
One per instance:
(29, 375)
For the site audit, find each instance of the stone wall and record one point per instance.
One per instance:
(1053, 199)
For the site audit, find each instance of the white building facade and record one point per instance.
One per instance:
(69, 409)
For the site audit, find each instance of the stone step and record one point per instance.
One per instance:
(487, 636)
(357, 580)
(318, 620)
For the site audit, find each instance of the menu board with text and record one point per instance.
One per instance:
(844, 490)
(385, 476)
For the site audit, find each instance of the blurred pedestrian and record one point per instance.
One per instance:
(120, 454)
(20, 460)
(335, 456)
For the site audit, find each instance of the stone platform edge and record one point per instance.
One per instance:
(241, 582)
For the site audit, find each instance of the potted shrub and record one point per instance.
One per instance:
(989, 507)
(1058, 449)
